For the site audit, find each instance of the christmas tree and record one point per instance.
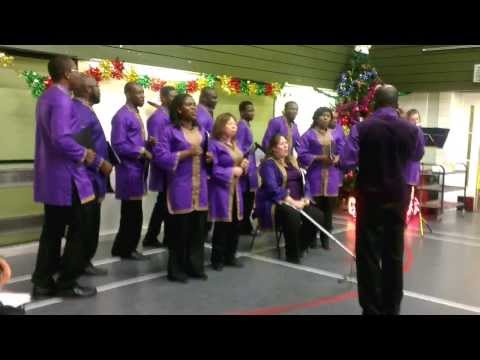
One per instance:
(355, 90)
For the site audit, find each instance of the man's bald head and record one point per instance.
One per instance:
(134, 94)
(386, 96)
(80, 88)
(87, 88)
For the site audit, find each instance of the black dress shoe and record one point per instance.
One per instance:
(78, 292)
(234, 263)
(182, 278)
(294, 261)
(136, 256)
(325, 244)
(153, 244)
(314, 244)
(202, 276)
(39, 291)
(217, 266)
(91, 270)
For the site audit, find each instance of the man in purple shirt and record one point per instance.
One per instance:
(381, 146)
(207, 103)
(87, 94)
(129, 141)
(62, 184)
(157, 182)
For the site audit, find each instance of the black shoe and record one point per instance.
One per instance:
(78, 291)
(136, 256)
(234, 263)
(325, 244)
(294, 261)
(153, 244)
(182, 278)
(39, 291)
(10, 310)
(217, 266)
(91, 270)
(314, 244)
(202, 276)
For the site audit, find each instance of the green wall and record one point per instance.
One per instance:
(312, 65)
(17, 111)
(411, 69)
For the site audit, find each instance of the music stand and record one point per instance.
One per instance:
(435, 137)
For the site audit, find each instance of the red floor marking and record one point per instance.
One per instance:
(277, 310)
(308, 305)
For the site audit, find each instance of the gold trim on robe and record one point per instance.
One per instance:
(325, 139)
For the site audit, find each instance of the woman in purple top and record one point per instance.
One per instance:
(224, 191)
(180, 153)
(129, 142)
(249, 181)
(282, 191)
(318, 153)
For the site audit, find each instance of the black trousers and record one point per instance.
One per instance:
(80, 220)
(298, 231)
(225, 239)
(131, 221)
(185, 250)
(92, 244)
(248, 201)
(159, 215)
(379, 258)
(327, 205)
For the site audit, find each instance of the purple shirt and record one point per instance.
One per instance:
(223, 187)
(155, 123)
(58, 157)
(187, 179)
(323, 180)
(381, 146)
(248, 182)
(204, 118)
(274, 190)
(279, 125)
(85, 117)
(128, 141)
(413, 169)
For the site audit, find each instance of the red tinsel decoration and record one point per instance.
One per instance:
(48, 82)
(157, 84)
(235, 85)
(118, 68)
(268, 89)
(192, 86)
(95, 72)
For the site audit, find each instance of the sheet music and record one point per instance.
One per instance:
(14, 299)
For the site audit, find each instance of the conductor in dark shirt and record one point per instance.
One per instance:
(380, 147)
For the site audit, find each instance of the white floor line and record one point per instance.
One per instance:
(100, 289)
(100, 262)
(408, 293)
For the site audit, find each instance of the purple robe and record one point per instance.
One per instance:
(248, 182)
(85, 117)
(323, 180)
(381, 146)
(155, 123)
(204, 118)
(413, 168)
(274, 190)
(58, 157)
(128, 141)
(187, 179)
(279, 125)
(222, 185)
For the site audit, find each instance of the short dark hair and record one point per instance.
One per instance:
(166, 90)
(288, 103)
(58, 66)
(243, 105)
(176, 104)
(319, 112)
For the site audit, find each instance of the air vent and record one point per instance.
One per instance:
(476, 73)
